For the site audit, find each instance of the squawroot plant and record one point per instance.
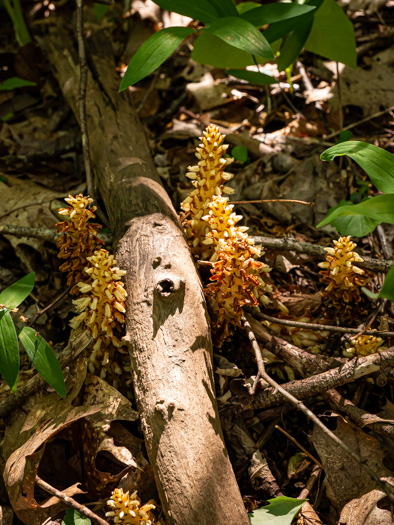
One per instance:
(126, 509)
(213, 234)
(94, 276)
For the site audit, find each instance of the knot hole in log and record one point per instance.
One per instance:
(165, 287)
(168, 299)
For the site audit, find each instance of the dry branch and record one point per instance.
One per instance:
(167, 327)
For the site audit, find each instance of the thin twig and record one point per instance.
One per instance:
(70, 501)
(320, 327)
(305, 410)
(83, 82)
(46, 234)
(299, 446)
(289, 244)
(295, 201)
(49, 306)
(37, 382)
(366, 119)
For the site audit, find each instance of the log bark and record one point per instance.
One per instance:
(167, 325)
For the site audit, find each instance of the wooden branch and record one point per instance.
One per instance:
(315, 250)
(70, 501)
(320, 383)
(167, 328)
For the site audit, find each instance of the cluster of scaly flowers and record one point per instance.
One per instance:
(363, 345)
(211, 227)
(78, 240)
(101, 306)
(344, 280)
(127, 509)
(208, 178)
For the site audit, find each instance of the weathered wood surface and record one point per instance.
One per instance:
(167, 325)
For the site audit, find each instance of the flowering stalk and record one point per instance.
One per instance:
(344, 280)
(78, 240)
(211, 227)
(127, 509)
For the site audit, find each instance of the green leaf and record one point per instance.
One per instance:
(100, 10)
(246, 6)
(332, 35)
(371, 295)
(376, 162)
(252, 76)
(294, 44)
(280, 29)
(15, 294)
(15, 82)
(153, 53)
(271, 13)
(387, 290)
(44, 360)
(9, 350)
(240, 34)
(378, 209)
(224, 7)
(224, 55)
(73, 517)
(240, 153)
(354, 225)
(203, 10)
(280, 511)
(345, 135)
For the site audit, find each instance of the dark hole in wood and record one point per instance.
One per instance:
(165, 287)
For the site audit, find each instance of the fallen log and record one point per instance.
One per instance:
(167, 328)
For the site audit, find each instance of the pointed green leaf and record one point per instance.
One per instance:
(224, 55)
(203, 10)
(153, 53)
(282, 28)
(15, 294)
(43, 359)
(376, 162)
(15, 82)
(355, 225)
(332, 35)
(294, 44)
(224, 7)
(271, 13)
(387, 290)
(9, 350)
(241, 34)
(254, 77)
(100, 10)
(280, 511)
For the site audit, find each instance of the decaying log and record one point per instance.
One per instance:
(167, 325)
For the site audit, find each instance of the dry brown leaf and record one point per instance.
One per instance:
(347, 478)
(365, 511)
(95, 439)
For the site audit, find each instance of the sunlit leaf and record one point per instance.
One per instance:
(254, 77)
(9, 350)
(271, 13)
(294, 44)
(280, 511)
(240, 34)
(153, 53)
(15, 294)
(376, 162)
(43, 359)
(332, 35)
(73, 517)
(387, 290)
(202, 10)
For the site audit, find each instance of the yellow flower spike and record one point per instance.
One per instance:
(343, 279)
(208, 178)
(363, 345)
(78, 239)
(127, 510)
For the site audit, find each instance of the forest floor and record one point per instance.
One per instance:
(279, 133)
